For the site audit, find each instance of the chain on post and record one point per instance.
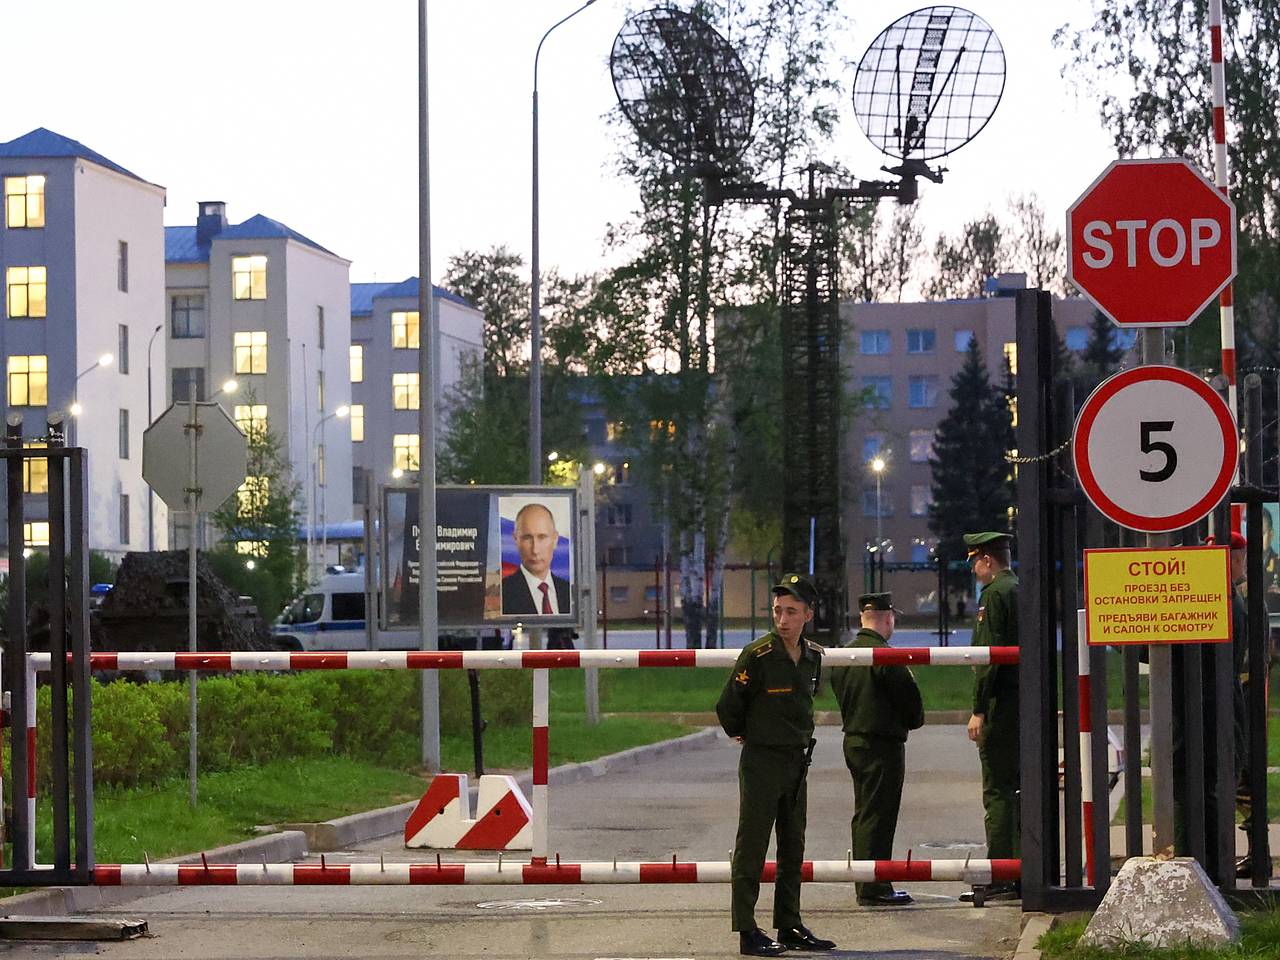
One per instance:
(1010, 458)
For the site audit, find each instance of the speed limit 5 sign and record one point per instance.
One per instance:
(1155, 448)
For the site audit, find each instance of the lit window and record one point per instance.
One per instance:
(921, 444)
(36, 533)
(251, 352)
(357, 363)
(922, 392)
(1013, 411)
(920, 341)
(874, 341)
(621, 474)
(404, 391)
(1011, 357)
(27, 288)
(24, 201)
(251, 418)
(404, 329)
(921, 499)
(613, 430)
(357, 422)
(252, 548)
(404, 451)
(29, 381)
(878, 392)
(35, 472)
(249, 278)
(251, 497)
(963, 339)
(658, 427)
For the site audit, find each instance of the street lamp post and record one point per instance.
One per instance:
(877, 467)
(103, 361)
(151, 494)
(341, 412)
(535, 286)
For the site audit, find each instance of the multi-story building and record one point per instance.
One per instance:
(82, 255)
(383, 373)
(260, 303)
(904, 356)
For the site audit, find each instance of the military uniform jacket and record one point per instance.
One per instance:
(996, 625)
(877, 701)
(767, 699)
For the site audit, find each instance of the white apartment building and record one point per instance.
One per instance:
(82, 256)
(384, 372)
(260, 303)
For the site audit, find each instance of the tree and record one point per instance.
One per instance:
(862, 271)
(903, 247)
(261, 522)
(971, 478)
(1147, 62)
(1035, 248)
(493, 282)
(963, 264)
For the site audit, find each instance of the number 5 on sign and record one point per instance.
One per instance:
(1155, 448)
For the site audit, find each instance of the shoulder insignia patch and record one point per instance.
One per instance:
(762, 648)
(982, 614)
(815, 647)
(741, 677)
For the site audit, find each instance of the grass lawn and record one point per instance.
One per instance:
(158, 821)
(1260, 938)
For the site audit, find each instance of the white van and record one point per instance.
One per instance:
(331, 616)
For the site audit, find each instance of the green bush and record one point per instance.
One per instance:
(140, 729)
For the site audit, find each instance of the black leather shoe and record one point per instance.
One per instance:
(1244, 868)
(894, 898)
(802, 938)
(757, 943)
(1004, 891)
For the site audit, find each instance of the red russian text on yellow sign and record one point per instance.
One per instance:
(1172, 595)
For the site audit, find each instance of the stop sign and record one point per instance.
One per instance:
(1151, 242)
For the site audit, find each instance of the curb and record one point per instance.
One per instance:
(295, 841)
(1034, 926)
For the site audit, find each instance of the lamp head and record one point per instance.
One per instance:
(106, 360)
(76, 410)
(230, 386)
(397, 473)
(878, 464)
(342, 411)
(553, 456)
(598, 468)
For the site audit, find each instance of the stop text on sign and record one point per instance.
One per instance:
(1180, 595)
(1151, 242)
(1166, 242)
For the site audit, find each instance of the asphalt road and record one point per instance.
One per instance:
(683, 804)
(648, 640)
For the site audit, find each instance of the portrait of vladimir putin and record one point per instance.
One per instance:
(533, 589)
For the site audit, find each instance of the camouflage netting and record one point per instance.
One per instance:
(147, 608)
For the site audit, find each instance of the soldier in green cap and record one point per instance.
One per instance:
(994, 723)
(878, 706)
(767, 706)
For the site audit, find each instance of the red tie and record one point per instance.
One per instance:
(546, 600)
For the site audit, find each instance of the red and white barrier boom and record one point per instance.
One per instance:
(538, 870)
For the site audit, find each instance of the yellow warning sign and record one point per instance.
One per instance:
(1171, 595)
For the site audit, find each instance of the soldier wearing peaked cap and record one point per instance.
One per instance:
(767, 706)
(994, 723)
(878, 707)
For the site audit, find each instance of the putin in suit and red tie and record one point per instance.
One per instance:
(533, 588)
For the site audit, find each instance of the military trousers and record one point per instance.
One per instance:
(878, 766)
(998, 751)
(772, 793)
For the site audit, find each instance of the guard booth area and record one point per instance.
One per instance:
(71, 753)
(1068, 799)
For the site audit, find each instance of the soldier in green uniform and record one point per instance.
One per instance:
(878, 706)
(994, 723)
(767, 706)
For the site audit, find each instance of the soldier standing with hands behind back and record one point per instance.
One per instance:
(767, 706)
(878, 706)
(994, 723)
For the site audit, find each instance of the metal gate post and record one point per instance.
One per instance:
(16, 651)
(1256, 702)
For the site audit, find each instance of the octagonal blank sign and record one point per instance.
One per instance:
(222, 454)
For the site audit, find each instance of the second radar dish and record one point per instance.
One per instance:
(929, 83)
(682, 87)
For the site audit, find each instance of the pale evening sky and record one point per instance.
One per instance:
(305, 110)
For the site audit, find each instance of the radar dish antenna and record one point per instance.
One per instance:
(929, 83)
(683, 88)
